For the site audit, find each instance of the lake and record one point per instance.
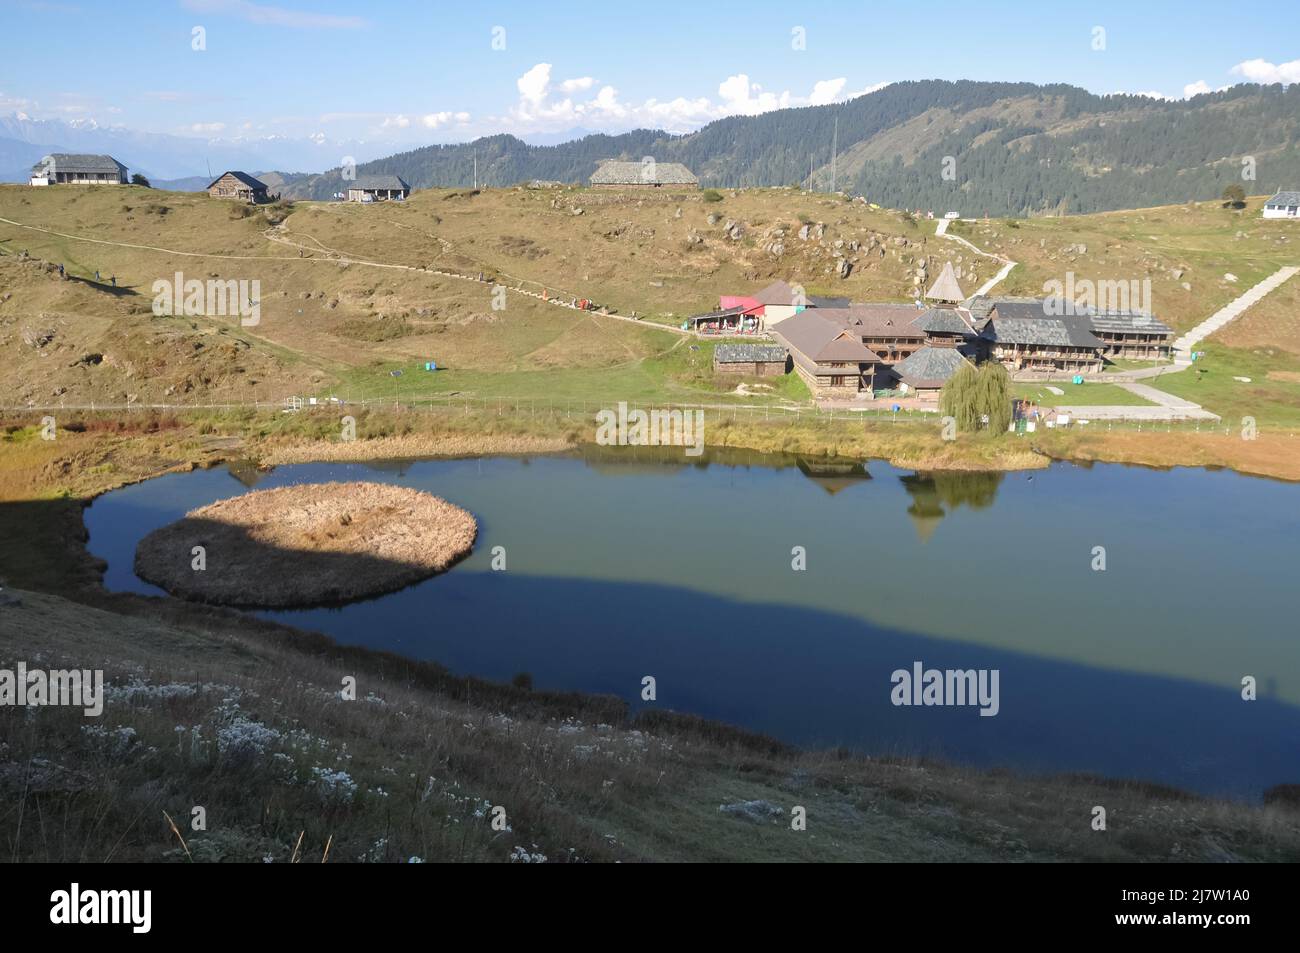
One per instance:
(623, 563)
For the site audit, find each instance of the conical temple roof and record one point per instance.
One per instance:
(946, 288)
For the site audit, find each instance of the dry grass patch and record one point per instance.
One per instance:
(307, 545)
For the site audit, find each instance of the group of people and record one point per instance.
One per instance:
(98, 279)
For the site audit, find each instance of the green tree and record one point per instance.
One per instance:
(1235, 196)
(973, 396)
(139, 179)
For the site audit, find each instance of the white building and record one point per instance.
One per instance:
(1283, 205)
(64, 168)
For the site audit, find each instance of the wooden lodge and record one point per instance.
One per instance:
(831, 358)
(239, 186)
(1027, 339)
(887, 330)
(751, 360)
(1132, 336)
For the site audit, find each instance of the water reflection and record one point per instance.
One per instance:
(936, 494)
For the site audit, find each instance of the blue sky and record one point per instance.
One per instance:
(419, 72)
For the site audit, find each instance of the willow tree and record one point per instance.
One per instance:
(978, 397)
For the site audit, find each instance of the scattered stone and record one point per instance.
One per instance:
(754, 811)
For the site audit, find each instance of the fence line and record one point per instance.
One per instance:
(532, 407)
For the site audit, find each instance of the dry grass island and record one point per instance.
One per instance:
(306, 545)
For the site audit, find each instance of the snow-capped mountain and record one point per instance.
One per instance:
(23, 141)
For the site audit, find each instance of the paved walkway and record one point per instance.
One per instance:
(941, 230)
(1230, 311)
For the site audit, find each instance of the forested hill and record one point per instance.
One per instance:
(1015, 148)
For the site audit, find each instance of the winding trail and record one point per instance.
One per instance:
(941, 230)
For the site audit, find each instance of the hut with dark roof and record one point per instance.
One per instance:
(377, 188)
(751, 360)
(240, 186)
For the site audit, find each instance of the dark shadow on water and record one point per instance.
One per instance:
(822, 680)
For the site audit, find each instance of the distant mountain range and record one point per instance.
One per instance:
(23, 141)
(975, 148)
(1000, 148)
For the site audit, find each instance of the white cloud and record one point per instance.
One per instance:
(536, 83)
(434, 120)
(207, 128)
(275, 16)
(826, 91)
(539, 110)
(396, 122)
(1262, 71)
(1201, 86)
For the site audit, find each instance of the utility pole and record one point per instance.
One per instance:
(476, 168)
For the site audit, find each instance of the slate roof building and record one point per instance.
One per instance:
(238, 185)
(830, 357)
(647, 173)
(1283, 205)
(64, 168)
(1027, 337)
(926, 371)
(1132, 335)
(377, 188)
(751, 360)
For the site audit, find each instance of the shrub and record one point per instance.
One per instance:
(712, 195)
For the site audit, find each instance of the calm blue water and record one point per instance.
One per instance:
(619, 567)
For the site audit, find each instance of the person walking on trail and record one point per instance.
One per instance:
(97, 275)
(114, 280)
(60, 269)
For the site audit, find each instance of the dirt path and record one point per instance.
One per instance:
(941, 230)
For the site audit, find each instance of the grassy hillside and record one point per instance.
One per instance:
(246, 721)
(351, 294)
